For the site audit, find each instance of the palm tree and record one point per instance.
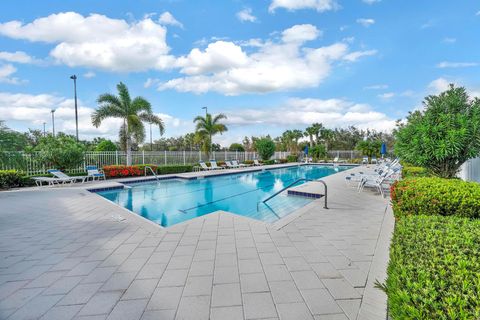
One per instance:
(133, 113)
(327, 136)
(208, 126)
(317, 128)
(310, 132)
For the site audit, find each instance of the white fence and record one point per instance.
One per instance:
(31, 163)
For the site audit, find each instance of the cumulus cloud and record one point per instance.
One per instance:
(304, 111)
(438, 85)
(89, 74)
(167, 18)
(282, 64)
(17, 56)
(366, 22)
(292, 5)
(386, 95)
(36, 109)
(246, 15)
(446, 64)
(354, 56)
(6, 75)
(97, 41)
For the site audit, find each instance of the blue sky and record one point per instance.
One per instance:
(270, 65)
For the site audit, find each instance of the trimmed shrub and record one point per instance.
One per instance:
(414, 172)
(174, 169)
(282, 160)
(434, 269)
(436, 196)
(249, 162)
(267, 162)
(10, 179)
(121, 171)
(265, 148)
(292, 158)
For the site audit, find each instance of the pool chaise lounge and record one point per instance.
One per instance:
(62, 177)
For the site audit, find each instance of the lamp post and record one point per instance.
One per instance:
(74, 78)
(53, 122)
(151, 142)
(44, 132)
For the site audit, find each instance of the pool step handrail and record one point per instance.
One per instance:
(294, 183)
(153, 172)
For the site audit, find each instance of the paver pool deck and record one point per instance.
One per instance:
(66, 253)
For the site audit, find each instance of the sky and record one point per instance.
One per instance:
(269, 65)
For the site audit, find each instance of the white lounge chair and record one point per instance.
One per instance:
(365, 160)
(240, 165)
(230, 165)
(64, 178)
(214, 166)
(93, 172)
(257, 163)
(48, 180)
(204, 166)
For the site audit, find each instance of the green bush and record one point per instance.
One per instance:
(265, 148)
(436, 196)
(267, 162)
(292, 158)
(106, 145)
(10, 179)
(434, 269)
(60, 152)
(414, 172)
(318, 152)
(174, 169)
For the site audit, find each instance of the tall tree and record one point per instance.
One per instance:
(310, 132)
(133, 112)
(208, 126)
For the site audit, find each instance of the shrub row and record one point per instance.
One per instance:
(410, 171)
(435, 196)
(10, 179)
(434, 268)
(139, 170)
(292, 158)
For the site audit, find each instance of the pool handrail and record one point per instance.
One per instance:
(294, 183)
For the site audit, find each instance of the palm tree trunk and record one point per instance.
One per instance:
(128, 145)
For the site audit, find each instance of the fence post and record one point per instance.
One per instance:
(184, 163)
(236, 154)
(165, 153)
(116, 157)
(225, 154)
(143, 156)
(213, 155)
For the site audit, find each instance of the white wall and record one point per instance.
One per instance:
(470, 170)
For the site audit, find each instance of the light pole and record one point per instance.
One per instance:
(44, 132)
(151, 142)
(74, 78)
(53, 122)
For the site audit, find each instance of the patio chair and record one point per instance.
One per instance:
(64, 178)
(48, 180)
(230, 165)
(204, 166)
(93, 172)
(374, 160)
(213, 165)
(240, 165)
(257, 163)
(365, 160)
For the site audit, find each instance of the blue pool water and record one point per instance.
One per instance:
(172, 201)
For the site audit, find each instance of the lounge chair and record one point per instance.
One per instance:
(379, 181)
(240, 165)
(48, 180)
(213, 165)
(230, 165)
(64, 178)
(374, 160)
(93, 172)
(365, 160)
(256, 163)
(204, 166)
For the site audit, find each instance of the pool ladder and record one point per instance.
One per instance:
(291, 185)
(153, 172)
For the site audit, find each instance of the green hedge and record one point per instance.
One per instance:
(292, 158)
(267, 162)
(436, 196)
(10, 179)
(408, 172)
(434, 269)
(174, 169)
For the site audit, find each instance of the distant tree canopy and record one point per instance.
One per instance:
(60, 152)
(236, 147)
(442, 136)
(106, 145)
(265, 148)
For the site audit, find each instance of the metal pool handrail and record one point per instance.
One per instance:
(151, 170)
(295, 182)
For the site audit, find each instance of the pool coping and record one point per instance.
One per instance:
(280, 223)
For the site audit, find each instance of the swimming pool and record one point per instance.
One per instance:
(172, 201)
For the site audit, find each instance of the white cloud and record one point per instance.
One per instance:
(478, 13)
(89, 74)
(439, 85)
(150, 82)
(17, 56)
(274, 65)
(246, 15)
(292, 5)
(449, 40)
(167, 18)
(376, 87)
(97, 41)
(446, 64)
(6, 75)
(354, 56)
(298, 111)
(370, 2)
(366, 22)
(386, 95)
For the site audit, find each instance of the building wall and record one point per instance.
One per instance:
(470, 170)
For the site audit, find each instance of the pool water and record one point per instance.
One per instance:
(169, 202)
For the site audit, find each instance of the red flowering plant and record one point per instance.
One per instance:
(122, 171)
